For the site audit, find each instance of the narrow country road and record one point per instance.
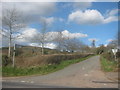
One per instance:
(85, 74)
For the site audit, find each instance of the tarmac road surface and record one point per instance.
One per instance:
(85, 74)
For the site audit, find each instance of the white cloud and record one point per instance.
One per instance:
(49, 21)
(111, 15)
(40, 8)
(105, 45)
(50, 45)
(84, 1)
(86, 17)
(91, 17)
(29, 0)
(93, 0)
(113, 12)
(110, 19)
(32, 10)
(81, 5)
(91, 39)
(0, 14)
(67, 34)
(35, 44)
(106, 0)
(60, 0)
(3, 40)
(77, 5)
(29, 36)
(47, 45)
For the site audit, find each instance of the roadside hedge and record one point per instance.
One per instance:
(46, 59)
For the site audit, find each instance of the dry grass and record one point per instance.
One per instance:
(41, 70)
(45, 59)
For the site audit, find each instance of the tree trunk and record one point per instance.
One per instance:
(42, 48)
(9, 51)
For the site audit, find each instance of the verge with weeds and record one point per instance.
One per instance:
(107, 65)
(41, 70)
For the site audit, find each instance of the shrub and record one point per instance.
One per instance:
(118, 54)
(118, 57)
(18, 52)
(5, 60)
(109, 56)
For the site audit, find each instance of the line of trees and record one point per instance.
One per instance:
(69, 44)
(13, 22)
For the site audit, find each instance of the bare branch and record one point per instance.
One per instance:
(11, 24)
(2, 32)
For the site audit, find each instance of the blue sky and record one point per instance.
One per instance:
(85, 21)
(102, 32)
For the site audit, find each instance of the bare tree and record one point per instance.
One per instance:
(12, 23)
(59, 39)
(65, 43)
(113, 44)
(42, 36)
(74, 45)
(85, 48)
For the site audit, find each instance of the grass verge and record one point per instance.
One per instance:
(41, 70)
(107, 66)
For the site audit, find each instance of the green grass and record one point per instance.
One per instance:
(41, 70)
(108, 66)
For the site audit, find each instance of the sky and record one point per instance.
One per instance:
(85, 21)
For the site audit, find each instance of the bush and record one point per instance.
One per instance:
(109, 56)
(18, 52)
(118, 54)
(5, 60)
(56, 59)
(118, 57)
